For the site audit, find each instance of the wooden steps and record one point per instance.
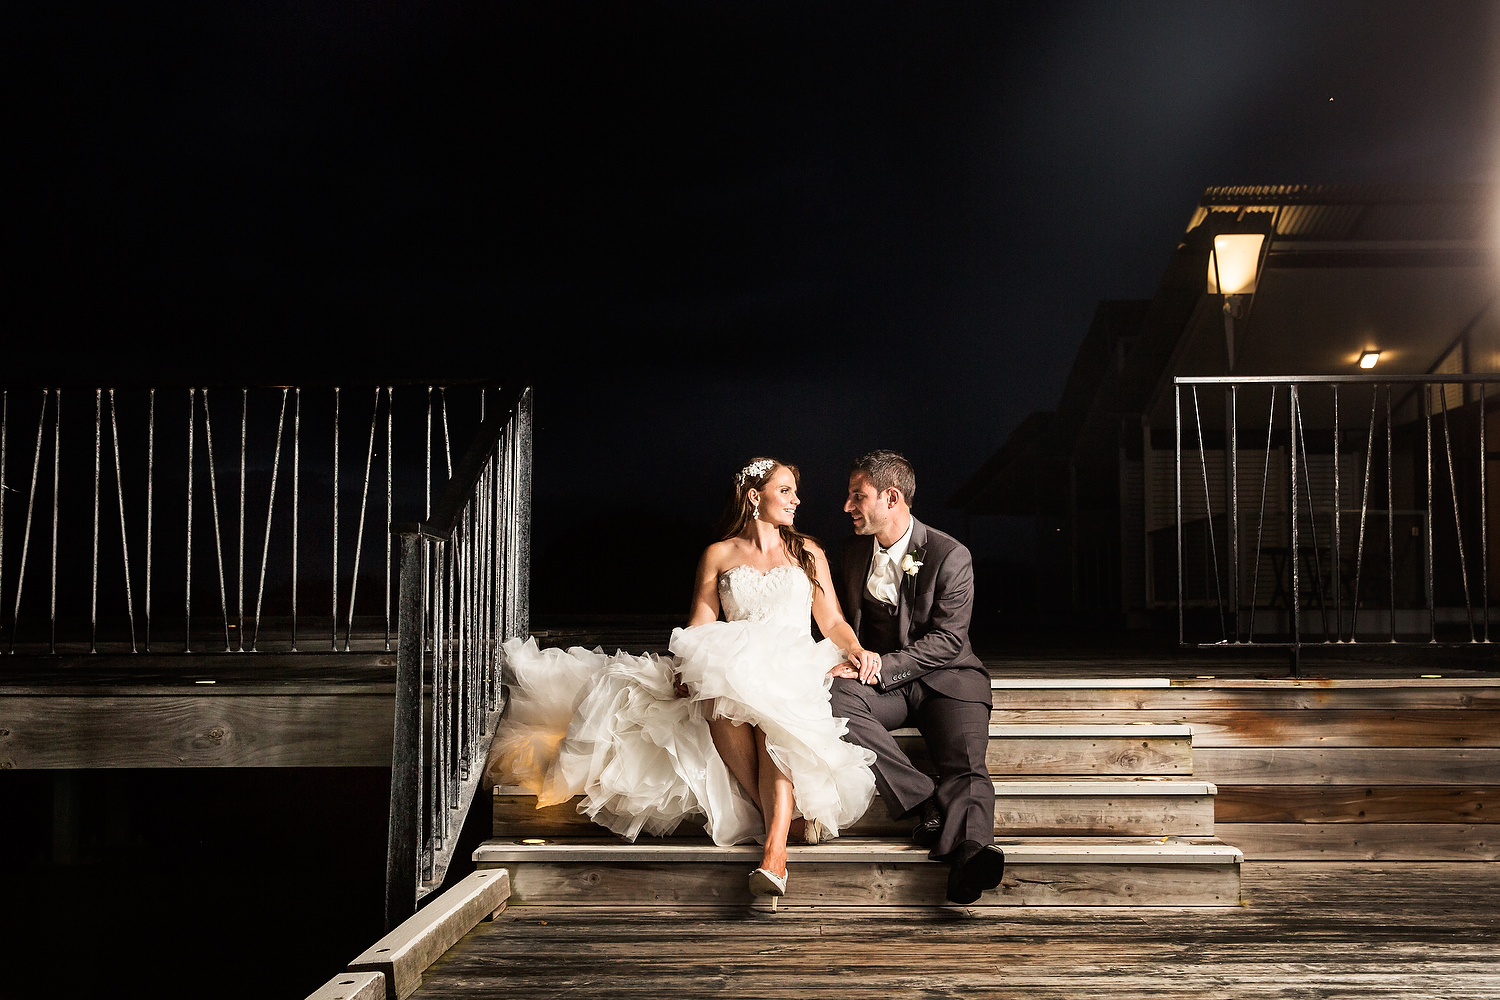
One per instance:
(859, 871)
(1089, 813)
(1143, 807)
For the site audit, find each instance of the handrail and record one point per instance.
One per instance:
(1312, 552)
(463, 589)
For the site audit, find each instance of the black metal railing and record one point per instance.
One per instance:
(206, 519)
(464, 589)
(1336, 509)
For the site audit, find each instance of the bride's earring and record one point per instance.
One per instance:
(755, 510)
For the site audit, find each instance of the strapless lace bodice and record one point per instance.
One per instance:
(781, 596)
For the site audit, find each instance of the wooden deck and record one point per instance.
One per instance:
(1304, 930)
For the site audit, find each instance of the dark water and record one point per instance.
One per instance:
(206, 882)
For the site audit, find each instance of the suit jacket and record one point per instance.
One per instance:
(933, 614)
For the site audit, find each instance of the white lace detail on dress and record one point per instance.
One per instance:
(780, 596)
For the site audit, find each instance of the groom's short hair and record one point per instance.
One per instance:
(888, 468)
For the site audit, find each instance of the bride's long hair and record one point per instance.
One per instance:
(739, 512)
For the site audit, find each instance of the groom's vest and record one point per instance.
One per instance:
(879, 626)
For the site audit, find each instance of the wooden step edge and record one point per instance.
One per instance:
(1076, 683)
(406, 953)
(352, 986)
(1026, 730)
(1100, 787)
(1018, 850)
(1104, 787)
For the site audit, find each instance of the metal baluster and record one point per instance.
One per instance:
(390, 408)
(4, 482)
(1458, 528)
(359, 534)
(334, 619)
(1364, 509)
(114, 427)
(265, 552)
(1294, 415)
(187, 640)
(150, 498)
(56, 482)
(240, 599)
(447, 444)
(434, 768)
(94, 577)
(36, 468)
(1338, 508)
(1484, 513)
(1427, 531)
(1208, 512)
(1234, 509)
(1177, 461)
(296, 500)
(1260, 530)
(427, 510)
(1390, 512)
(213, 504)
(1312, 522)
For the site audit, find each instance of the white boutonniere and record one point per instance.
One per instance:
(910, 563)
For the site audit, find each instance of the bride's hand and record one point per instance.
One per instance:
(678, 688)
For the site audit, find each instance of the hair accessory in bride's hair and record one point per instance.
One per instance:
(753, 470)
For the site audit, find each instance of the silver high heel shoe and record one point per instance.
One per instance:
(766, 883)
(816, 833)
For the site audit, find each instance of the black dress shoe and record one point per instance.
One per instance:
(929, 825)
(973, 869)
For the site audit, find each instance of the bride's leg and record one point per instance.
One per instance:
(776, 793)
(736, 745)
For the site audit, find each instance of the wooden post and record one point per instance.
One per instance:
(403, 839)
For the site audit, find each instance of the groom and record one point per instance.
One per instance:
(908, 591)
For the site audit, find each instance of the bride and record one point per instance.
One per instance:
(734, 726)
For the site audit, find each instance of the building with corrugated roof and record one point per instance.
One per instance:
(1406, 274)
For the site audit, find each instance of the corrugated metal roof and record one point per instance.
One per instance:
(1390, 212)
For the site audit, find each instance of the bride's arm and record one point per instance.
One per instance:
(705, 607)
(831, 622)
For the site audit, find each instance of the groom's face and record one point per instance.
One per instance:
(865, 506)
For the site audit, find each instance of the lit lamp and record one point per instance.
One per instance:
(1233, 267)
(1367, 359)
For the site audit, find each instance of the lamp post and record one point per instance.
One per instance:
(1233, 269)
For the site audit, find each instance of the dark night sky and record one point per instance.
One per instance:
(703, 230)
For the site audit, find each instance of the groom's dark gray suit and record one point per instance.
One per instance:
(929, 679)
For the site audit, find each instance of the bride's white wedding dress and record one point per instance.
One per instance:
(610, 728)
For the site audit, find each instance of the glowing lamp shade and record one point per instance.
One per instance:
(1368, 359)
(1234, 262)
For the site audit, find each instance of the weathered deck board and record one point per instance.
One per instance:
(1364, 841)
(1357, 804)
(1034, 808)
(1346, 766)
(238, 729)
(852, 871)
(1306, 930)
(1305, 727)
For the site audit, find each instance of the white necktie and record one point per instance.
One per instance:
(882, 577)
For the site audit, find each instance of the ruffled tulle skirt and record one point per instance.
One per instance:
(609, 728)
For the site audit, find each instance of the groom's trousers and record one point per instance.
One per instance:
(957, 737)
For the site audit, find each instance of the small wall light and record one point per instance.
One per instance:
(1367, 359)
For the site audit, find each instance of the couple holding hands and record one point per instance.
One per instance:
(756, 727)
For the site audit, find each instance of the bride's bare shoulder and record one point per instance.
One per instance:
(720, 556)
